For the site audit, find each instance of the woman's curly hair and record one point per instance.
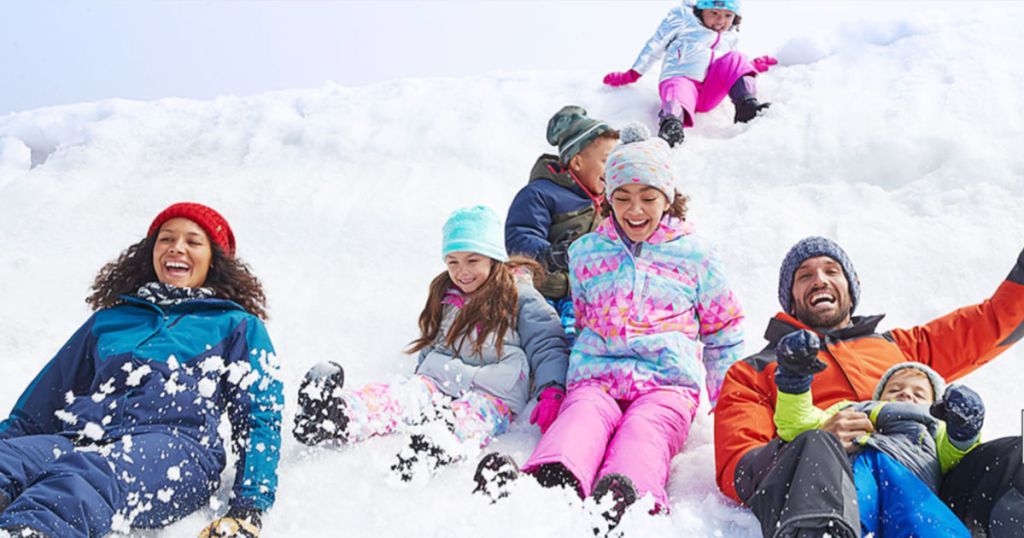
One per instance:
(230, 278)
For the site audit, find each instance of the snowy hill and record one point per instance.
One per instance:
(899, 139)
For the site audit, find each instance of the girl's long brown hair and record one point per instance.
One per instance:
(491, 309)
(230, 278)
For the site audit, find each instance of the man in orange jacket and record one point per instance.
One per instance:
(804, 488)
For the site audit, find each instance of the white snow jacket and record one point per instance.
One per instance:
(688, 46)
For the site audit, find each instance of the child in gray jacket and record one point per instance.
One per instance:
(488, 343)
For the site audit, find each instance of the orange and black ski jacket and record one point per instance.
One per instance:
(857, 356)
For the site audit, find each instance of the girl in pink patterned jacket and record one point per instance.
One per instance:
(651, 304)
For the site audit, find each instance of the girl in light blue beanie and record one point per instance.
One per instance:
(485, 333)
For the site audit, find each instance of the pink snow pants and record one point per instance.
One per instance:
(682, 97)
(595, 435)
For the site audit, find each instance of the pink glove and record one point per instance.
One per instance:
(764, 63)
(548, 405)
(617, 79)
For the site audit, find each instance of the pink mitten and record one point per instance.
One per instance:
(548, 405)
(764, 63)
(616, 78)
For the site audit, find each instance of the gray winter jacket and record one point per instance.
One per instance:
(688, 46)
(537, 345)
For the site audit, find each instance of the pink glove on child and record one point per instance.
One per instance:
(617, 79)
(764, 63)
(548, 405)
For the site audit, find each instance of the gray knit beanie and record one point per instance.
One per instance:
(938, 384)
(571, 130)
(812, 247)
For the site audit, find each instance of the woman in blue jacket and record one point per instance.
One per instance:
(119, 429)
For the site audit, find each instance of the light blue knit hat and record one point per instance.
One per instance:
(731, 5)
(474, 229)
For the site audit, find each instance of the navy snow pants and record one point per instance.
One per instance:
(63, 490)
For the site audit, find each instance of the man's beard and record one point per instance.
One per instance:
(823, 322)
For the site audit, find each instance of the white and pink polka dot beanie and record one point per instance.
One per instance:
(640, 159)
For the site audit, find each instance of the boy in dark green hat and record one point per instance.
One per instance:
(562, 201)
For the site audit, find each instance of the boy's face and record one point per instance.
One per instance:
(718, 20)
(908, 385)
(588, 165)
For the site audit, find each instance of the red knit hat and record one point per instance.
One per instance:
(213, 223)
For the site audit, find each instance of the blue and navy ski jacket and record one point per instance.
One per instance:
(138, 368)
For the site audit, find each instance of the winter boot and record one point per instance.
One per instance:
(671, 130)
(421, 456)
(21, 531)
(494, 475)
(623, 494)
(321, 413)
(748, 109)
(556, 475)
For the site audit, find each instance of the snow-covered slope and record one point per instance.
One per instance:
(899, 139)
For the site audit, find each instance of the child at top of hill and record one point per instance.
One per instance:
(917, 437)
(701, 65)
(562, 201)
(486, 336)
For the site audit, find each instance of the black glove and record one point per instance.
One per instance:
(237, 523)
(556, 256)
(797, 353)
(962, 410)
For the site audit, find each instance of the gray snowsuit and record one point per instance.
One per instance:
(536, 344)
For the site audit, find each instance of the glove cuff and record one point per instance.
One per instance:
(551, 393)
(791, 383)
(252, 515)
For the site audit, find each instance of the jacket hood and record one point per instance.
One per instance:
(783, 324)
(548, 167)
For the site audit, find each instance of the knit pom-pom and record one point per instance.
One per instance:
(634, 132)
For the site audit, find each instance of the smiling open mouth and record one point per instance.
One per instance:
(822, 298)
(177, 268)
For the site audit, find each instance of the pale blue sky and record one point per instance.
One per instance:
(59, 52)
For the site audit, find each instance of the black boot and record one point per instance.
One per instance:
(748, 109)
(422, 454)
(321, 413)
(21, 531)
(556, 475)
(623, 494)
(671, 130)
(495, 474)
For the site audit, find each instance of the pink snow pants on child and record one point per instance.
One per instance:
(682, 97)
(595, 435)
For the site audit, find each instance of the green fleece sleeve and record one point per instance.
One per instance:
(949, 453)
(796, 413)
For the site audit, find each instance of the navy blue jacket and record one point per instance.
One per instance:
(137, 368)
(551, 208)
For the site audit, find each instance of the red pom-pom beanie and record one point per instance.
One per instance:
(215, 225)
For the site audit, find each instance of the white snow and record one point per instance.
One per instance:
(898, 136)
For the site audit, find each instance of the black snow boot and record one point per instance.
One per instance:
(623, 494)
(748, 109)
(21, 531)
(556, 475)
(421, 455)
(495, 474)
(321, 413)
(671, 130)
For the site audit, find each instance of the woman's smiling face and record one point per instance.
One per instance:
(182, 253)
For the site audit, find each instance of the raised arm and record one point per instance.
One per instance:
(960, 342)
